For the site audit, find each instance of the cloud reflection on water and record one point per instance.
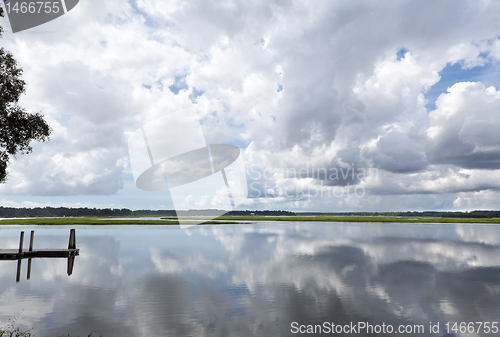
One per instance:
(256, 279)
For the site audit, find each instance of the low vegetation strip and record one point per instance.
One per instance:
(18, 333)
(83, 221)
(361, 219)
(96, 221)
(225, 220)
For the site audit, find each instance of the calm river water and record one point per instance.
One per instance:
(259, 279)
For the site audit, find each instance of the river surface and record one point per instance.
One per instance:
(258, 279)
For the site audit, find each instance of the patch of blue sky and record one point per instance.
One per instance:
(195, 94)
(489, 75)
(401, 53)
(179, 84)
(133, 5)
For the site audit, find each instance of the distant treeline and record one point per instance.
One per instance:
(10, 212)
(47, 212)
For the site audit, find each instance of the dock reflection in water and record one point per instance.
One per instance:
(20, 254)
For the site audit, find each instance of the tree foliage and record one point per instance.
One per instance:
(17, 126)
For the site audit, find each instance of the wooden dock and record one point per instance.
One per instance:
(18, 254)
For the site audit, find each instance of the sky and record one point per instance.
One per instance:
(335, 106)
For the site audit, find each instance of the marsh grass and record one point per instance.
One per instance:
(84, 221)
(231, 220)
(11, 330)
(18, 333)
(361, 219)
(93, 221)
(15, 333)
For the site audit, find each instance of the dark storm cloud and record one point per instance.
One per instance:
(397, 152)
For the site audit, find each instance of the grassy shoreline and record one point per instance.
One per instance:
(242, 219)
(96, 221)
(83, 221)
(362, 219)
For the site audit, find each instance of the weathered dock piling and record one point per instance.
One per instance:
(21, 241)
(31, 240)
(72, 240)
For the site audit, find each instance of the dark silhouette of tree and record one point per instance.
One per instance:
(17, 127)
